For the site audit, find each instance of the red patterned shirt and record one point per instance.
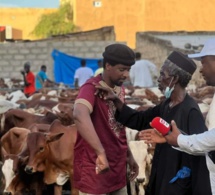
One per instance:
(113, 138)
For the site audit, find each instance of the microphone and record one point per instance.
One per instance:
(162, 126)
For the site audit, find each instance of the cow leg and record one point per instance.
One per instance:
(57, 189)
(133, 188)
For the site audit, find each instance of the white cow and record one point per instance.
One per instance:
(6, 105)
(16, 95)
(143, 158)
(140, 153)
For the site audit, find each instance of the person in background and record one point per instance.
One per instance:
(42, 78)
(173, 172)
(29, 80)
(143, 73)
(203, 143)
(100, 68)
(101, 152)
(82, 74)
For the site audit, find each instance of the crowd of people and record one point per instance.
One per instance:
(102, 154)
(142, 74)
(32, 83)
(101, 115)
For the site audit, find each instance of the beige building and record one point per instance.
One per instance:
(127, 17)
(22, 19)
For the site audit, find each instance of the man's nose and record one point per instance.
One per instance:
(159, 79)
(126, 74)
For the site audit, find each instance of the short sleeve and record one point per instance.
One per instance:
(86, 96)
(44, 76)
(76, 76)
(30, 78)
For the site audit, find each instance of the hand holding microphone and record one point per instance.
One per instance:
(165, 132)
(151, 136)
(171, 132)
(161, 125)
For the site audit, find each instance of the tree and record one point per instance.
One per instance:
(59, 22)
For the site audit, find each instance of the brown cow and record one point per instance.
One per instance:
(52, 153)
(64, 113)
(12, 143)
(20, 118)
(14, 140)
(16, 179)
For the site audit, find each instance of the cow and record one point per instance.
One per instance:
(16, 179)
(14, 140)
(52, 153)
(20, 118)
(6, 105)
(15, 96)
(64, 113)
(140, 153)
(12, 143)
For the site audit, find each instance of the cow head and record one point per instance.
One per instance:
(10, 168)
(64, 113)
(143, 159)
(38, 148)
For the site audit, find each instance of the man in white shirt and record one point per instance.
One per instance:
(82, 74)
(143, 72)
(203, 143)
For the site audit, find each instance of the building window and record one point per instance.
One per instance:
(97, 3)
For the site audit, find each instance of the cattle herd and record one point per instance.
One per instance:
(38, 136)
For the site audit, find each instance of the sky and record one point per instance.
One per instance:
(30, 3)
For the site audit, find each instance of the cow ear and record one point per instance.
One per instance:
(16, 134)
(23, 160)
(53, 137)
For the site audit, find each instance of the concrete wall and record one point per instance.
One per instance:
(101, 34)
(152, 48)
(89, 44)
(14, 55)
(157, 50)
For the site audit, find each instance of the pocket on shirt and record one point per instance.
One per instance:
(182, 186)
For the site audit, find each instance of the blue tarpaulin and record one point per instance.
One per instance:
(66, 65)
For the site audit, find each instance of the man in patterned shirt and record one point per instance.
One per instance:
(101, 151)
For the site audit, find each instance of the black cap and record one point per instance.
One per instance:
(119, 54)
(182, 61)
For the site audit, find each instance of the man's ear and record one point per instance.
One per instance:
(175, 80)
(107, 66)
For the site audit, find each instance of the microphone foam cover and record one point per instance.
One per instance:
(161, 125)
